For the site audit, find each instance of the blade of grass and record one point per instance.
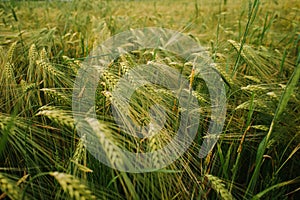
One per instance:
(264, 192)
(251, 17)
(263, 145)
(282, 63)
(293, 152)
(239, 151)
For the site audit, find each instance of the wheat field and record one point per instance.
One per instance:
(255, 47)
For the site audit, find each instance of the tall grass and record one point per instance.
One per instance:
(256, 51)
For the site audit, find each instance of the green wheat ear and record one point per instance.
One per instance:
(10, 188)
(218, 185)
(9, 64)
(225, 75)
(73, 186)
(57, 96)
(59, 116)
(9, 72)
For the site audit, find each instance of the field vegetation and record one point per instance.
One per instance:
(255, 46)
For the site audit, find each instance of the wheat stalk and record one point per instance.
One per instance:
(259, 105)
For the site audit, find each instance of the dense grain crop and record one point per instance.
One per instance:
(254, 45)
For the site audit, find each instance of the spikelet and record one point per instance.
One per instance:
(244, 106)
(32, 72)
(10, 52)
(81, 167)
(72, 64)
(2, 55)
(57, 115)
(218, 185)
(273, 95)
(10, 188)
(188, 64)
(124, 67)
(225, 76)
(148, 55)
(73, 186)
(255, 88)
(109, 79)
(237, 47)
(260, 127)
(57, 96)
(9, 71)
(126, 62)
(172, 63)
(43, 55)
(103, 136)
(258, 65)
(32, 55)
(48, 68)
(154, 145)
(79, 155)
(253, 78)
(199, 97)
(3, 121)
(28, 87)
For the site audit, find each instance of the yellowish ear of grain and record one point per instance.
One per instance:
(73, 186)
(10, 188)
(57, 115)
